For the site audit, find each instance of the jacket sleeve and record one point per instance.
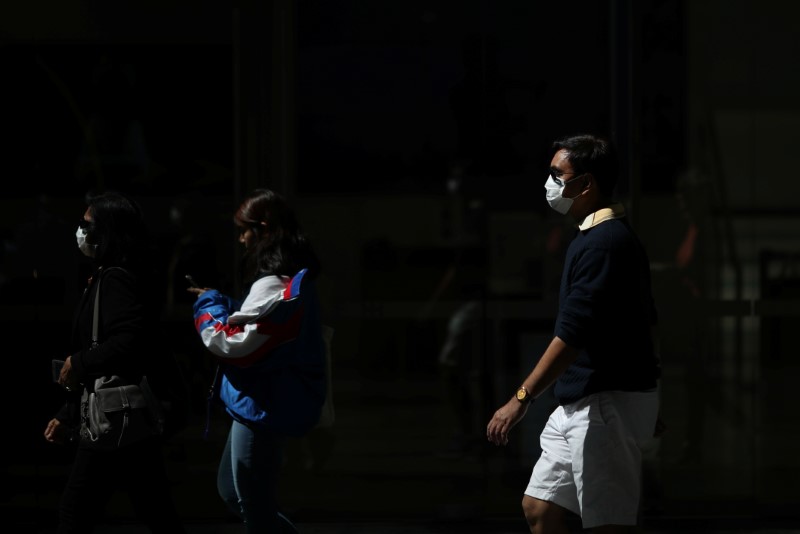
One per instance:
(69, 413)
(244, 336)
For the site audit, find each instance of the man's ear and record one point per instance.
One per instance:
(588, 181)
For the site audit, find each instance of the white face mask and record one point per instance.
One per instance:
(554, 198)
(86, 248)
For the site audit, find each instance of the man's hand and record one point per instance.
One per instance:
(557, 357)
(504, 419)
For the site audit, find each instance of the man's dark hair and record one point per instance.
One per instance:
(592, 154)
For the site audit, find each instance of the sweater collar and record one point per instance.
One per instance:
(614, 211)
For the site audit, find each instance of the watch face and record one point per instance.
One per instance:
(521, 394)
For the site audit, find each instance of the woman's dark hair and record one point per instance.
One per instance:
(282, 247)
(118, 229)
(592, 154)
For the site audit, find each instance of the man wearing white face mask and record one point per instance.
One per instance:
(602, 359)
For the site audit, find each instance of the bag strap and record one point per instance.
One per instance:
(212, 393)
(96, 310)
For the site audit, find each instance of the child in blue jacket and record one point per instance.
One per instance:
(271, 354)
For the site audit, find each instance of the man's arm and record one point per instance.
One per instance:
(556, 358)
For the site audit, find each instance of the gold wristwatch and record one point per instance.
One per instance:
(523, 396)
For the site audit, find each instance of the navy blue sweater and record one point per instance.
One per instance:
(606, 310)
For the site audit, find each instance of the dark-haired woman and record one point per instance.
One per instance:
(271, 354)
(112, 233)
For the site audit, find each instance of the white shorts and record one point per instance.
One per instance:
(591, 457)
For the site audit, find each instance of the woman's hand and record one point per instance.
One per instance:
(56, 432)
(67, 378)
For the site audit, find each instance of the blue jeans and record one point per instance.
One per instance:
(248, 476)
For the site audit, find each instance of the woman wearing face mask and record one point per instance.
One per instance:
(271, 354)
(112, 233)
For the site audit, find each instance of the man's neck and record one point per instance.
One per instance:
(601, 203)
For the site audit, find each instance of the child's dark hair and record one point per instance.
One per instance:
(282, 247)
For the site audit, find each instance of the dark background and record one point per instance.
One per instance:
(412, 138)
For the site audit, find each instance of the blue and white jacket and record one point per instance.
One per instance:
(271, 352)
